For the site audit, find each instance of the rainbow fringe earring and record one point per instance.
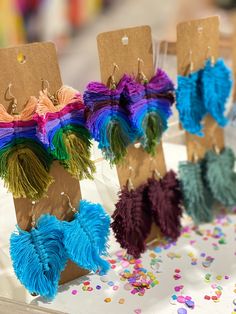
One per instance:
(61, 127)
(197, 198)
(107, 118)
(189, 100)
(220, 175)
(24, 161)
(85, 237)
(149, 104)
(165, 201)
(216, 87)
(38, 256)
(132, 219)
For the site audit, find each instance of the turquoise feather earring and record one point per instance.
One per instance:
(85, 236)
(216, 87)
(38, 256)
(220, 175)
(198, 200)
(189, 101)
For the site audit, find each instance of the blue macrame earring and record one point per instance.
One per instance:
(189, 101)
(38, 256)
(85, 237)
(216, 88)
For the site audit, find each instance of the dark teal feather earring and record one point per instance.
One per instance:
(220, 175)
(198, 200)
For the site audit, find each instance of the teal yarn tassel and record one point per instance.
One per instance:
(38, 256)
(216, 84)
(85, 237)
(198, 200)
(220, 176)
(189, 102)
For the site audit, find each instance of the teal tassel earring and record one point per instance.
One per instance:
(189, 102)
(198, 200)
(216, 86)
(85, 237)
(220, 175)
(38, 256)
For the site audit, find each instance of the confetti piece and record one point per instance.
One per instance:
(86, 283)
(104, 278)
(182, 311)
(189, 303)
(138, 311)
(98, 287)
(110, 283)
(107, 300)
(74, 292)
(207, 297)
(181, 299)
(115, 288)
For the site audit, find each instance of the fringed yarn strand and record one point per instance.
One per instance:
(132, 220)
(85, 237)
(38, 256)
(198, 200)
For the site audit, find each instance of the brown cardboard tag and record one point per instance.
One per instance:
(24, 67)
(123, 47)
(201, 37)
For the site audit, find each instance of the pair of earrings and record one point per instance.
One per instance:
(208, 181)
(40, 255)
(128, 111)
(48, 128)
(203, 92)
(158, 200)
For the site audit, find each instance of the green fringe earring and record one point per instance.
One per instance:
(198, 200)
(220, 175)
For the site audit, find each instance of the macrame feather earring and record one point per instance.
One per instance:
(38, 256)
(189, 101)
(85, 237)
(107, 118)
(216, 86)
(165, 201)
(149, 104)
(132, 219)
(198, 199)
(61, 126)
(220, 175)
(24, 161)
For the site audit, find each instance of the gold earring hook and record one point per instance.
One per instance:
(12, 99)
(111, 81)
(209, 56)
(71, 207)
(191, 64)
(129, 182)
(156, 174)
(33, 215)
(43, 81)
(141, 76)
(45, 90)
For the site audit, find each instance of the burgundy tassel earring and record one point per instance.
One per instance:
(132, 219)
(165, 201)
